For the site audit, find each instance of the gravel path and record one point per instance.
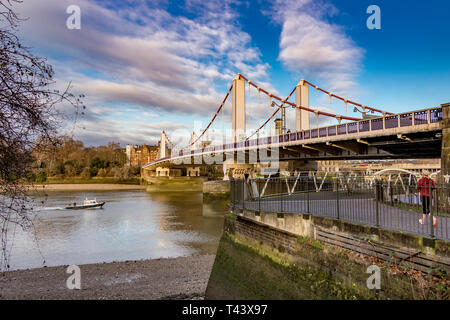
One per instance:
(176, 278)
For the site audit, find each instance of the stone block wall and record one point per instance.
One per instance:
(259, 258)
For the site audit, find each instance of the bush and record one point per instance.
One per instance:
(60, 169)
(98, 163)
(41, 176)
(70, 171)
(134, 170)
(101, 173)
(114, 172)
(93, 171)
(86, 173)
(121, 173)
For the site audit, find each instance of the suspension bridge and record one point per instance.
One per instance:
(368, 133)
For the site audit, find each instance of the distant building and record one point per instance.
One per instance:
(138, 156)
(371, 166)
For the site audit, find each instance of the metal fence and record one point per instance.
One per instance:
(358, 200)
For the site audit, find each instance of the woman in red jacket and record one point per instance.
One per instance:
(425, 184)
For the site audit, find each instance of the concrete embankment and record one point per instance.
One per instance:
(216, 187)
(174, 184)
(216, 197)
(216, 193)
(189, 184)
(256, 260)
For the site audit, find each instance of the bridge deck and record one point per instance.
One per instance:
(410, 134)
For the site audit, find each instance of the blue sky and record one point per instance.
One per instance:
(147, 66)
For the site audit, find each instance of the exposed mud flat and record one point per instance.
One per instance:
(175, 278)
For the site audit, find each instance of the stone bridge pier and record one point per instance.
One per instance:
(193, 172)
(238, 170)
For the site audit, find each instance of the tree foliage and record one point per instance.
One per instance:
(69, 158)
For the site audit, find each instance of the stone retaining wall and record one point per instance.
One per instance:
(301, 257)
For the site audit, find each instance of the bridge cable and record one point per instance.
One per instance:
(347, 100)
(301, 107)
(273, 115)
(213, 118)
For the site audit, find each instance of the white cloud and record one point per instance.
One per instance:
(314, 48)
(136, 55)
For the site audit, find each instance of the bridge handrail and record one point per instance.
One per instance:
(380, 204)
(404, 119)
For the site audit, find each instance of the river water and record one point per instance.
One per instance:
(132, 225)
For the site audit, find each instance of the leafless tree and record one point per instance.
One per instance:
(29, 120)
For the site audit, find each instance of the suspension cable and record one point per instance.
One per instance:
(346, 100)
(301, 107)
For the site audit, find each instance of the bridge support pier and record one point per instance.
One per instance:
(445, 149)
(237, 170)
(193, 172)
(167, 172)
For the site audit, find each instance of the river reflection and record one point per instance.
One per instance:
(132, 225)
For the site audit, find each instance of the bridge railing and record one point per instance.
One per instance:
(353, 199)
(414, 118)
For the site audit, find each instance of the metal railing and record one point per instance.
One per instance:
(353, 199)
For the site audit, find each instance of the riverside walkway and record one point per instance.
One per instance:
(360, 208)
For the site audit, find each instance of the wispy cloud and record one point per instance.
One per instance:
(314, 48)
(140, 54)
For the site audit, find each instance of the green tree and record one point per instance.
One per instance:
(98, 163)
(93, 171)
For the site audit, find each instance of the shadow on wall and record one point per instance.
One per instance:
(257, 262)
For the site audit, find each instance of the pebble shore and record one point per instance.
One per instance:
(172, 278)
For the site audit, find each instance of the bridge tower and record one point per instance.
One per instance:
(238, 108)
(192, 141)
(302, 99)
(163, 145)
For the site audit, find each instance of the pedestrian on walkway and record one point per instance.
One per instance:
(425, 184)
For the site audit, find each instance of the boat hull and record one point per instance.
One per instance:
(97, 205)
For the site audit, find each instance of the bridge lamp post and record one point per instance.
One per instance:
(283, 115)
(363, 113)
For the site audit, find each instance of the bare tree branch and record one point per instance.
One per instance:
(29, 121)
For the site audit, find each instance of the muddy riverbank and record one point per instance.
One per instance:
(87, 187)
(175, 278)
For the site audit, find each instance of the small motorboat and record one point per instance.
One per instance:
(86, 204)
